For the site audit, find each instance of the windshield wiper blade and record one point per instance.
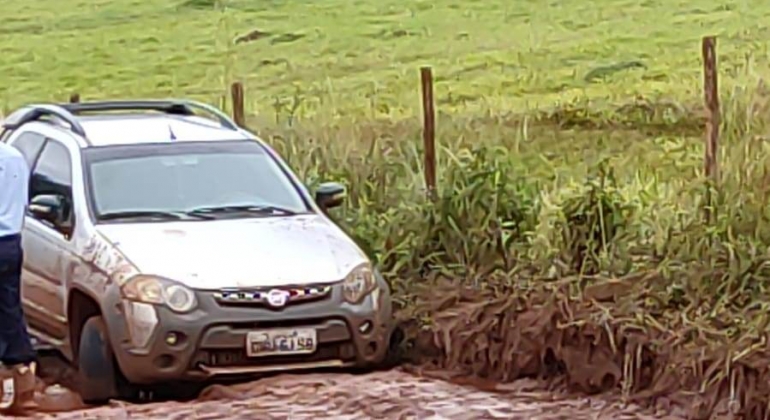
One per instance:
(140, 214)
(247, 208)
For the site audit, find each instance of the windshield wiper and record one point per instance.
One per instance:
(151, 214)
(244, 208)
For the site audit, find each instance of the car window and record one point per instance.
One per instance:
(171, 178)
(29, 144)
(53, 175)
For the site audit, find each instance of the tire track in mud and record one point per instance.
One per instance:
(394, 394)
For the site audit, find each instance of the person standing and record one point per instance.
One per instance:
(17, 356)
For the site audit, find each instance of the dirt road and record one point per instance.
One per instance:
(393, 395)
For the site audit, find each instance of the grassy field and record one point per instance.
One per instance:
(361, 57)
(323, 67)
(570, 147)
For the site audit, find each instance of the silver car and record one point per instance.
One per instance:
(162, 245)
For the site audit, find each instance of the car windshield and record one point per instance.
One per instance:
(199, 180)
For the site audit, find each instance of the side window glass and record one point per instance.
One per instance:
(29, 144)
(51, 187)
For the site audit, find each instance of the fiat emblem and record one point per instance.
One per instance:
(277, 297)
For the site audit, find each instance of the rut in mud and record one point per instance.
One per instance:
(401, 393)
(394, 394)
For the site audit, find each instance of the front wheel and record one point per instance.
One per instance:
(395, 353)
(392, 358)
(99, 377)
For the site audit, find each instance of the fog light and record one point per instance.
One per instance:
(365, 327)
(172, 338)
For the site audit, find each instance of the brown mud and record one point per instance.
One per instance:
(394, 394)
(402, 393)
(597, 340)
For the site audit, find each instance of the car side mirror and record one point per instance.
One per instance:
(47, 207)
(330, 195)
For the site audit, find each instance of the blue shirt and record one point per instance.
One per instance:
(14, 190)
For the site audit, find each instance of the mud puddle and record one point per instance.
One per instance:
(395, 394)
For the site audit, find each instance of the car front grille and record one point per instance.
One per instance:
(259, 297)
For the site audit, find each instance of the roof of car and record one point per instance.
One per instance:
(107, 130)
(139, 121)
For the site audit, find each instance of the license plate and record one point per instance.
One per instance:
(280, 342)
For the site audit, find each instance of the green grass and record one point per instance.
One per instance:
(361, 57)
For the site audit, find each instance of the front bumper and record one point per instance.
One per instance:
(212, 338)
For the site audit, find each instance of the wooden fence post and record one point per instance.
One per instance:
(713, 120)
(429, 130)
(236, 92)
(74, 98)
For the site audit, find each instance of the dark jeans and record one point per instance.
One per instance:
(15, 345)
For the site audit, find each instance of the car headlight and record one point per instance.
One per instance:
(159, 291)
(359, 283)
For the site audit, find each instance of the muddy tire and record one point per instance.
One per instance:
(99, 377)
(395, 355)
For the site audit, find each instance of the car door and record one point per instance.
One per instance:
(48, 246)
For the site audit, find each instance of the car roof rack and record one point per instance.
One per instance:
(38, 112)
(166, 106)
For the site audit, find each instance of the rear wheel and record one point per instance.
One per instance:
(99, 377)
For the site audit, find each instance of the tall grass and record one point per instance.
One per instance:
(511, 181)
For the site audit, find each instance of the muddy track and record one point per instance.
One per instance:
(395, 394)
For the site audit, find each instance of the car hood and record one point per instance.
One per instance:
(244, 253)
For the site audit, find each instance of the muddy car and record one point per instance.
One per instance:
(162, 245)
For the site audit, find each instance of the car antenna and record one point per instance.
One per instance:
(171, 133)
